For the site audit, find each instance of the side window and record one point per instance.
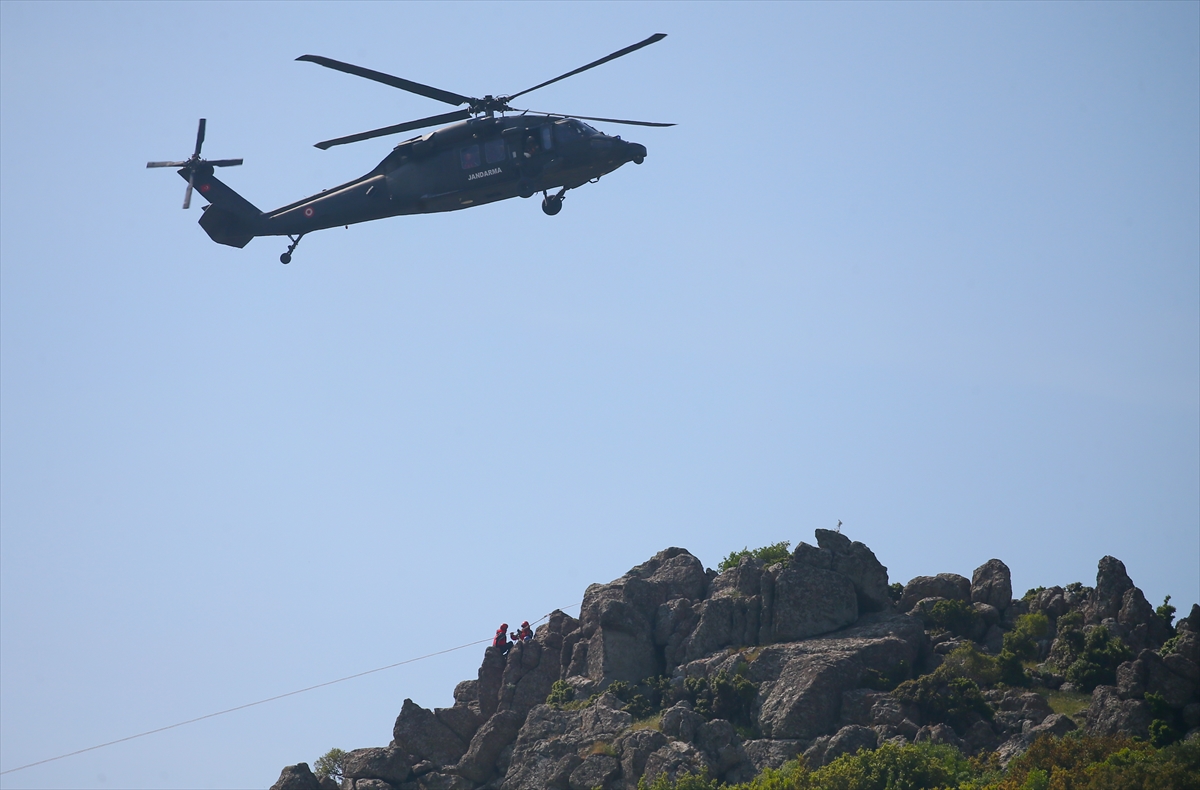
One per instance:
(547, 138)
(469, 157)
(493, 150)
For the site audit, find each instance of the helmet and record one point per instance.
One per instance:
(503, 626)
(525, 624)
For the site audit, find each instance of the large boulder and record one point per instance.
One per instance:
(848, 740)
(618, 619)
(550, 746)
(809, 601)
(297, 777)
(386, 764)
(725, 619)
(1110, 715)
(991, 584)
(1106, 600)
(596, 771)
(419, 732)
(479, 763)
(856, 562)
(945, 585)
(802, 683)
(546, 751)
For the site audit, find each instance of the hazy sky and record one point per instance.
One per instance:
(933, 270)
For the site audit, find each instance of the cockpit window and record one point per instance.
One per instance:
(569, 129)
(565, 132)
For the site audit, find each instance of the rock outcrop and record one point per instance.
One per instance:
(746, 669)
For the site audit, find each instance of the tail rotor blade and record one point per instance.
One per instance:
(187, 196)
(166, 164)
(199, 137)
(223, 162)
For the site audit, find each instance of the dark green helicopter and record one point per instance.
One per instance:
(481, 157)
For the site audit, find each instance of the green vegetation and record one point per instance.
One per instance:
(723, 696)
(957, 617)
(1021, 647)
(330, 765)
(1098, 661)
(561, 694)
(950, 694)
(895, 591)
(886, 680)
(1167, 612)
(1031, 593)
(776, 552)
(1167, 724)
(1074, 762)
(1068, 703)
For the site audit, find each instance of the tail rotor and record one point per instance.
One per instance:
(194, 164)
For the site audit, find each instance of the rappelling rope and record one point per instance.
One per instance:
(269, 699)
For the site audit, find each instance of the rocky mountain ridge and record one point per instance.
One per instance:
(675, 669)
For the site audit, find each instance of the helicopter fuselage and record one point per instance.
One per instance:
(467, 164)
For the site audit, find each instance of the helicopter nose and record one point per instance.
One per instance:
(636, 153)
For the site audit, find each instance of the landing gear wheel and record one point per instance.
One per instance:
(287, 256)
(552, 204)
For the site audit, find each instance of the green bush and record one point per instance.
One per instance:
(561, 693)
(1167, 613)
(1022, 640)
(330, 765)
(893, 767)
(1021, 645)
(895, 591)
(966, 661)
(943, 698)
(1074, 762)
(776, 552)
(957, 617)
(699, 781)
(723, 696)
(1097, 663)
(886, 680)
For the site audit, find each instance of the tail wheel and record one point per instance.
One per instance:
(552, 204)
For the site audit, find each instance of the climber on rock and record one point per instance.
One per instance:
(525, 634)
(501, 642)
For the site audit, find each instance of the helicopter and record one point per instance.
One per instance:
(481, 156)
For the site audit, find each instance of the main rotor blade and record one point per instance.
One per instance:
(387, 79)
(187, 196)
(199, 137)
(223, 162)
(590, 118)
(165, 164)
(450, 117)
(595, 63)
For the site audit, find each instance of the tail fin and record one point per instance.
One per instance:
(229, 218)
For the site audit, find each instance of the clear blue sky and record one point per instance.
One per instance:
(933, 270)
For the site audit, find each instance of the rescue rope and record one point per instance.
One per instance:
(268, 699)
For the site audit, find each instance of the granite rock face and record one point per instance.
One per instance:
(991, 584)
(950, 586)
(813, 645)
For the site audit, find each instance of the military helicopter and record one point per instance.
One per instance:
(482, 156)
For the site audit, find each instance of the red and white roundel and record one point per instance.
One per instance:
(308, 212)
